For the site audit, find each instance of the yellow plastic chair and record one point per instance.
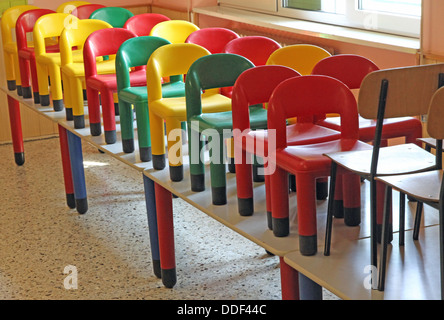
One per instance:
(175, 31)
(68, 7)
(73, 71)
(12, 69)
(166, 61)
(300, 57)
(48, 64)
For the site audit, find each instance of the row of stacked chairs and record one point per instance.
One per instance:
(284, 107)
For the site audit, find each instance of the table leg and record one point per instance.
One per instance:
(289, 281)
(78, 173)
(164, 206)
(150, 200)
(16, 130)
(66, 164)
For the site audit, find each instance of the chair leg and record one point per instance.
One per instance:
(174, 134)
(279, 202)
(77, 102)
(195, 150)
(127, 126)
(24, 67)
(401, 219)
(218, 173)
(108, 113)
(419, 208)
(351, 191)
(56, 87)
(329, 225)
(157, 141)
(94, 111)
(143, 127)
(34, 81)
(43, 82)
(385, 238)
(243, 181)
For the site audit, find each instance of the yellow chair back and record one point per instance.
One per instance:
(68, 7)
(300, 57)
(175, 31)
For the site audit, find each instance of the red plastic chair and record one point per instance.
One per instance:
(141, 24)
(105, 83)
(253, 87)
(351, 70)
(308, 96)
(83, 12)
(257, 49)
(28, 73)
(212, 39)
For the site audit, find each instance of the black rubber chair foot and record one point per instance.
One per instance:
(379, 233)
(338, 209)
(145, 154)
(12, 85)
(219, 195)
(256, 176)
(352, 216)
(58, 105)
(27, 92)
(157, 269)
(116, 109)
(20, 90)
(197, 182)
(169, 278)
(245, 206)
(321, 190)
(158, 161)
(69, 115)
(44, 100)
(176, 173)
(269, 220)
(281, 226)
(95, 128)
(71, 200)
(79, 122)
(19, 158)
(82, 205)
(110, 137)
(231, 165)
(36, 97)
(308, 245)
(85, 98)
(128, 145)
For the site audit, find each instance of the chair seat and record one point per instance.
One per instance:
(311, 157)
(77, 69)
(29, 52)
(108, 81)
(393, 127)
(176, 107)
(393, 160)
(136, 95)
(54, 58)
(297, 134)
(424, 186)
(224, 120)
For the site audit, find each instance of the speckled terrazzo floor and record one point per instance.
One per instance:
(109, 245)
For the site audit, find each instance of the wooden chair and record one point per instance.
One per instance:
(390, 93)
(425, 187)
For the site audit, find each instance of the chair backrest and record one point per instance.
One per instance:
(349, 68)
(408, 91)
(95, 46)
(84, 12)
(170, 60)
(301, 57)
(9, 19)
(435, 116)
(255, 48)
(76, 37)
(135, 52)
(25, 23)
(48, 26)
(308, 96)
(255, 86)
(115, 16)
(175, 31)
(69, 6)
(213, 39)
(209, 72)
(141, 24)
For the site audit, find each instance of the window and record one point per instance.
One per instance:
(402, 17)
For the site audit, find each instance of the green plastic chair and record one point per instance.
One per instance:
(213, 71)
(134, 53)
(115, 16)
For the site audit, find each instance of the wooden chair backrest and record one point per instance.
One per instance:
(409, 91)
(435, 119)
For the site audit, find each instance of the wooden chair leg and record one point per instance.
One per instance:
(419, 208)
(385, 238)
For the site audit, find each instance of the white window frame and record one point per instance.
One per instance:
(368, 20)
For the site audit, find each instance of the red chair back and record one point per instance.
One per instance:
(212, 39)
(255, 48)
(255, 86)
(83, 12)
(141, 24)
(95, 46)
(349, 68)
(25, 23)
(308, 96)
